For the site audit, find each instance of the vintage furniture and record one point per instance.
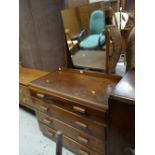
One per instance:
(96, 38)
(26, 75)
(74, 102)
(121, 118)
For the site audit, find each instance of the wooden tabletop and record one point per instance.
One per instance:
(78, 87)
(125, 89)
(26, 75)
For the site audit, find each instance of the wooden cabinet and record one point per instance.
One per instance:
(76, 103)
(121, 119)
(26, 75)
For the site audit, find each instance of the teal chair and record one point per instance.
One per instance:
(96, 38)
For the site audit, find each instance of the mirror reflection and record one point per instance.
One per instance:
(96, 34)
(85, 32)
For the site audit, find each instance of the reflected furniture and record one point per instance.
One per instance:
(26, 75)
(96, 38)
(121, 117)
(74, 102)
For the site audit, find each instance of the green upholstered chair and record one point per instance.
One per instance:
(96, 38)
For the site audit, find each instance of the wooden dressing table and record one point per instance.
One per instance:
(84, 105)
(76, 103)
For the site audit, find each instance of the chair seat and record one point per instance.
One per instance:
(91, 41)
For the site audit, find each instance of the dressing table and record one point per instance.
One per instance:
(76, 103)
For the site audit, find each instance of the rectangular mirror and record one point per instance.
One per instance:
(84, 28)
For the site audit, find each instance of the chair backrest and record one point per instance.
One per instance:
(97, 22)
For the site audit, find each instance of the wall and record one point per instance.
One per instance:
(41, 34)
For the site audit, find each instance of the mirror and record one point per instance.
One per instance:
(86, 35)
(84, 27)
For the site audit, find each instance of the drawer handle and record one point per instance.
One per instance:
(44, 108)
(84, 152)
(83, 140)
(47, 122)
(79, 109)
(49, 133)
(81, 124)
(40, 95)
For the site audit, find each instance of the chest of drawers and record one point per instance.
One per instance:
(76, 103)
(26, 75)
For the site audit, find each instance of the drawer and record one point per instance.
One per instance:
(77, 135)
(88, 126)
(67, 142)
(90, 113)
(24, 97)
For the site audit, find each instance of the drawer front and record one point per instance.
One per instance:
(81, 137)
(90, 113)
(91, 127)
(24, 97)
(67, 142)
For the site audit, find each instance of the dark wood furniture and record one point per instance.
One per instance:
(74, 102)
(26, 75)
(121, 118)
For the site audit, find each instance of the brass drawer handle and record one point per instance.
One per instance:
(84, 152)
(83, 140)
(47, 122)
(81, 124)
(49, 133)
(43, 108)
(79, 109)
(40, 95)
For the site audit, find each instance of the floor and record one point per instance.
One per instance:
(31, 140)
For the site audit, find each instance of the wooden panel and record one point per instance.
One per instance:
(75, 3)
(121, 118)
(89, 126)
(42, 38)
(27, 39)
(125, 89)
(71, 21)
(69, 131)
(26, 75)
(68, 142)
(24, 97)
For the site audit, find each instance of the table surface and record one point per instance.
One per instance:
(125, 89)
(26, 75)
(78, 87)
